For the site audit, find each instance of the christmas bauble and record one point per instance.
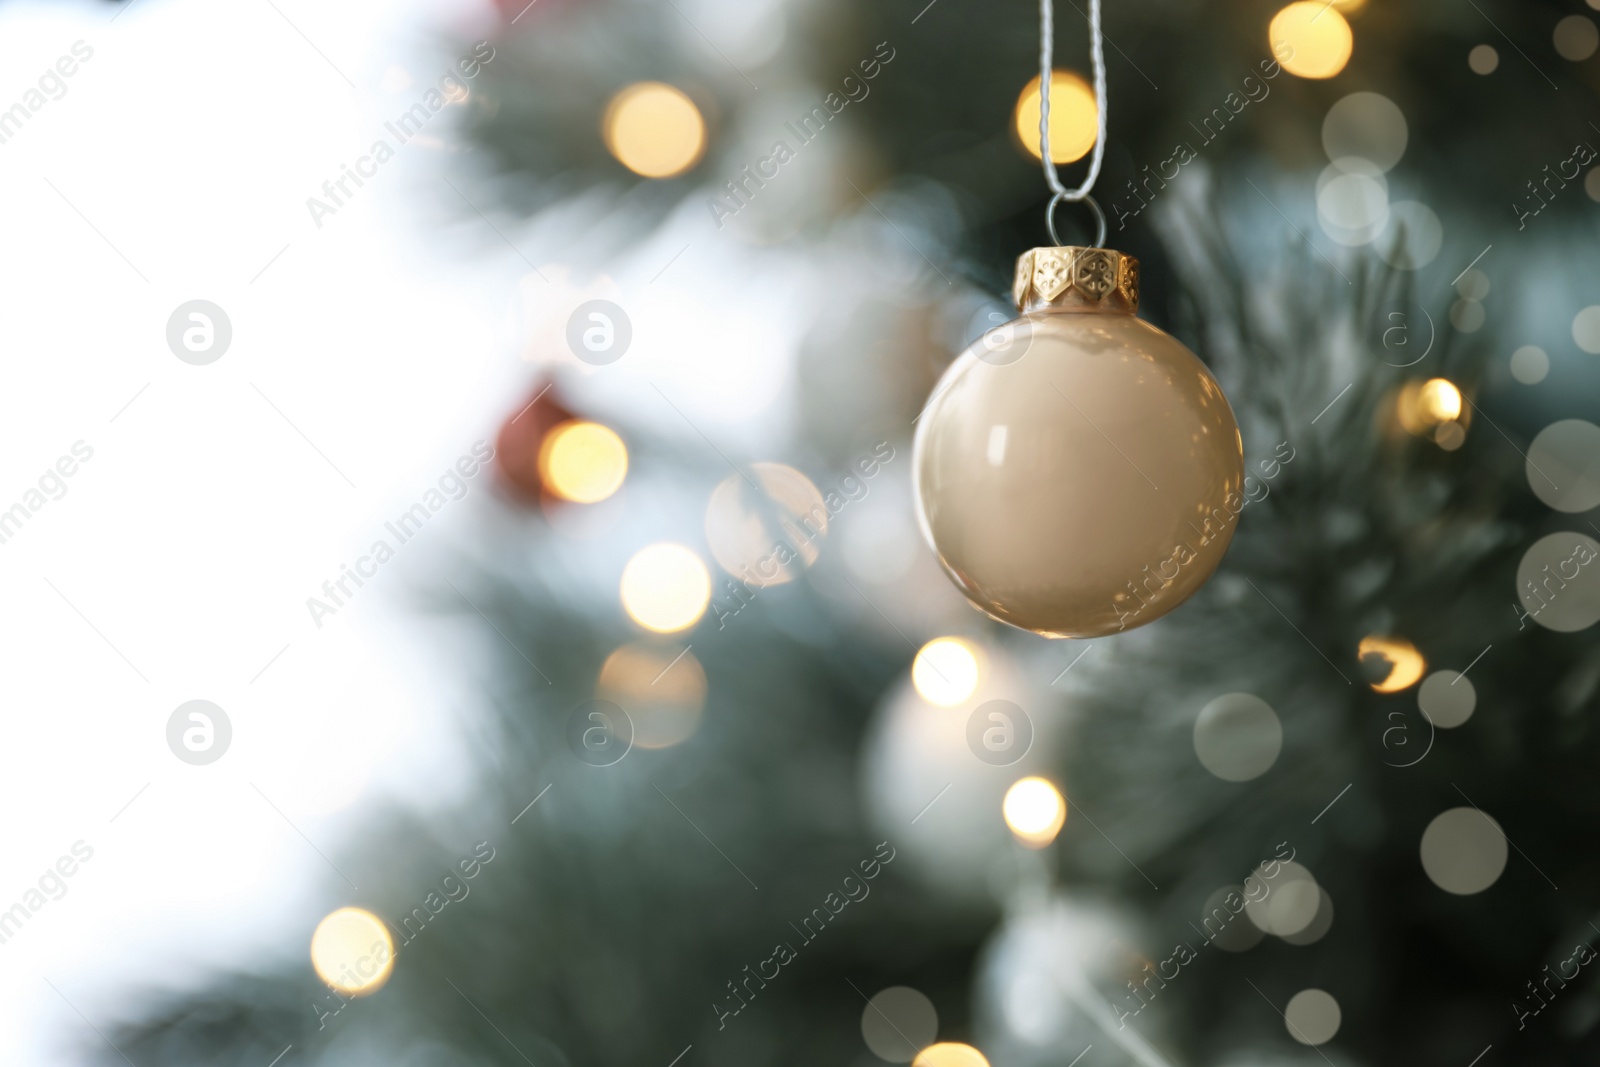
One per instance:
(1078, 471)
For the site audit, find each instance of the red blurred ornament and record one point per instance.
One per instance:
(516, 448)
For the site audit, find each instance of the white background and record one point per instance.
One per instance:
(190, 141)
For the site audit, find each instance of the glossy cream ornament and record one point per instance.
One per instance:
(1078, 471)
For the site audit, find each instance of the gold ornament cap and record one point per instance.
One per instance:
(1073, 278)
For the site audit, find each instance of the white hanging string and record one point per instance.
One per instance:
(1097, 55)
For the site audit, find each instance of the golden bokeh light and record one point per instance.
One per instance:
(1311, 39)
(1440, 400)
(662, 688)
(352, 952)
(583, 462)
(1392, 663)
(665, 588)
(945, 671)
(654, 130)
(950, 1054)
(1035, 811)
(1074, 117)
(1450, 436)
(766, 530)
(1424, 406)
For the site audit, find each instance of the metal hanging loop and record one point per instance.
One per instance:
(1094, 206)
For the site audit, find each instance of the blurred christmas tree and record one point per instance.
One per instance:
(1403, 626)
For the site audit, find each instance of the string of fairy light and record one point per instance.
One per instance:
(665, 589)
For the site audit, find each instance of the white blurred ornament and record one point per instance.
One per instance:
(937, 775)
(1055, 976)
